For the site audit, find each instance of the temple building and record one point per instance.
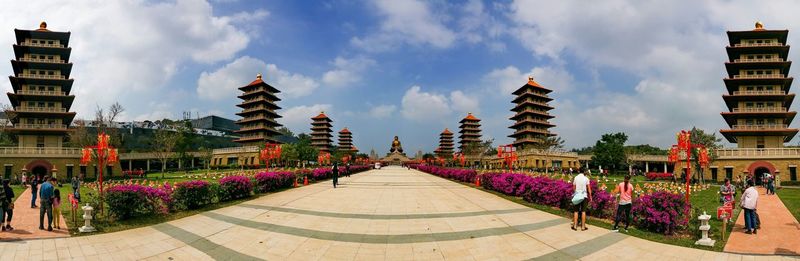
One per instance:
(258, 125)
(346, 141)
(321, 132)
(531, 118)
(445, 144)
(41, 102)
(470, 133)
(758, 100)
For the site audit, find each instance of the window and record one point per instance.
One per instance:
(729, 173)
(51, 88)
(49, 57)
(51, 104)
(40, 141)
(713, 173)
(749, 88)
(793, 173)
(31, 121)
(51, 73)
(49, 42)
(7, 174)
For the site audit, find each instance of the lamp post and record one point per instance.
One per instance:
(509, 154)
(105, 154)
(269, 152)
(685, 148)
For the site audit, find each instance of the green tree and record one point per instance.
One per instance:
(609, 151)
(305, 151)
(711, 142)
(165, 141)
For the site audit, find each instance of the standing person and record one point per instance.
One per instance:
(24, 179)
(57, 208)
(9, 210)
(335, 174)
(583, 195)
(738, 181)
(34, 189)
(727, 192)
(771, 185)
(347, 169)
(625, 190)
(46, 202)
(4, 201)
(76, 186)
(749, 204)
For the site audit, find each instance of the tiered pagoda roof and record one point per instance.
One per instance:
(41, 86)
(445, 144)
(346, 141)
(758, 84)
(258, 105)
(321, 137)
(470, 131)
(531, 114)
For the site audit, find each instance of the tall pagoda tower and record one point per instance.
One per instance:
(758, 97)
(258, 123)
(321, 132)
(531, 118)
(346, 141)
(470, 131)
(445, 143)
(41, 99)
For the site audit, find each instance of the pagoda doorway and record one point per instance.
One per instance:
(759, 174)
(39, 171)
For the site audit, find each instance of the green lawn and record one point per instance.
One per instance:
(791, 198)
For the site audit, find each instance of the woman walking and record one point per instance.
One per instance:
(335, 174)
(727, 192)
(625, 190)
(5, 220)
(749, 204)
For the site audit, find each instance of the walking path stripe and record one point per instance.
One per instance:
(385, 239)
(214, 250)
(584, 248)
(386, 216)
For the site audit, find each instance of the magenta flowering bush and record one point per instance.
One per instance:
(272, 181)
(550, 192)
(657, 175)
(127, 201)
(321, 173)
(602, 204)
(192, 194)
(463, 175)
(234, 187)
(661, 212)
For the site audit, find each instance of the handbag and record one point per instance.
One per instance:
(578, 197)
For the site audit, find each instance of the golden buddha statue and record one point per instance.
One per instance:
(396, 147)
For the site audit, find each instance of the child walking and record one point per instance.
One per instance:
(57, 209)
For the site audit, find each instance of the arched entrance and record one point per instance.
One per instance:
(759, 168)
(40, 168)
(759, 174)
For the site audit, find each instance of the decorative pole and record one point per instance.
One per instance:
(105, 155)
(269, 152)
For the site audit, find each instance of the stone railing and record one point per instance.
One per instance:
(42, 45)
(760, 127)
(773, 92)
(39, 126)
(48, 93)
(35, 151)
(40, 109)
(762, 109)
(236, 150)
(757, 44)
(41, 76)
(758, 60)
(26, 59)
(753, 152)
(758, 76)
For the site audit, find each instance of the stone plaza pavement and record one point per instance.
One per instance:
(388, 214)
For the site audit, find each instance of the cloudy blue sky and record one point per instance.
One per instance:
(407, 67)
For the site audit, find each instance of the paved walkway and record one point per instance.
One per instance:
(779, 233)
(389, 214)
(26, 221)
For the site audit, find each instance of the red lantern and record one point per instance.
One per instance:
(86, 156)
(113, 156)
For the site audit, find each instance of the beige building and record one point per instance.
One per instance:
(758, 101)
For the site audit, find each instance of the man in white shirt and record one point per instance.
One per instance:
(582, 189)
(749, 204)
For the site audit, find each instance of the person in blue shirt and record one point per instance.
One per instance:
(46, 204)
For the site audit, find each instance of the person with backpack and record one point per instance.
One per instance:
(580, 200)
(625, 190)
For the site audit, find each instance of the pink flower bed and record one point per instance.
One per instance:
(234, 187)
(272, 181)
(658, 175)
(661, 212)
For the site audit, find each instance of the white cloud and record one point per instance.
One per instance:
(382, 111)
(298, 118)
(424, 106)
(129, 49)
(464, 103)
(223, 83)
(347, 72)
(510, 78)
(410, 22)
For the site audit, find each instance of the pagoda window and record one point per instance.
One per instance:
(749, 88)
(768, 72)
(40, 121)
(749, 121)
(771, 121)
(760, 105)
(769, 88)
(31, 121)
(749, 105)
(49, 57)
(39, 141)
(759, 88)
(51, 88)
(41, 104)
(769, 104)
(51, 105)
